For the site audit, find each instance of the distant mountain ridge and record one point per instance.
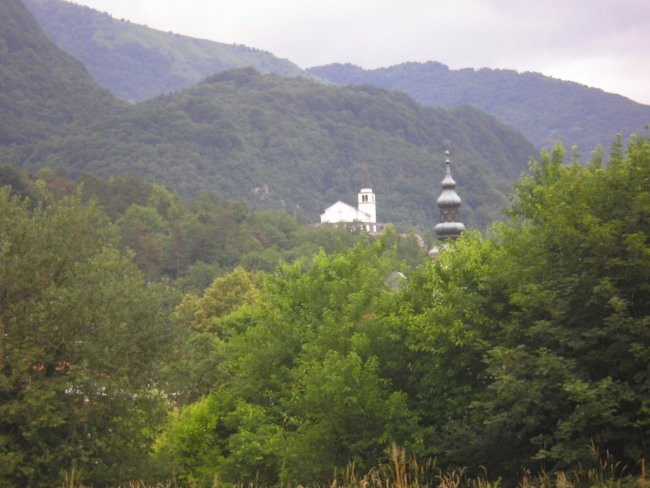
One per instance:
(544, 109)
(136, 62)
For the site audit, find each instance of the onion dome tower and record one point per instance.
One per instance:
(449, 202)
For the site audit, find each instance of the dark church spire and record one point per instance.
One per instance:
(366, 178)
(449, 202)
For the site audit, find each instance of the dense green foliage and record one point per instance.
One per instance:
(81, 342)
(43, 89)
(544, 109)
(135, 62)
(88, 349)
(513, 351)
(298, 390)
(579, 325)
(194, 241)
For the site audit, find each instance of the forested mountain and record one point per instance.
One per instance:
(136, 62)
(291, 143)
(43, 89)
(546, 110)
(265, 140)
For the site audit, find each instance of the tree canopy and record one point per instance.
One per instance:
(82, 340)
(511, 351)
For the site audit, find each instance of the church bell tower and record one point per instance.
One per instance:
(449, 202)
(366, 202)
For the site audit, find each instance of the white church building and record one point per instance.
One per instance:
(365, 213)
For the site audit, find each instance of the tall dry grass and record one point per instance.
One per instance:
(605, 473)
(407, 472)
(403, 471)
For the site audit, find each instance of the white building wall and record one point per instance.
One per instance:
(339, 212)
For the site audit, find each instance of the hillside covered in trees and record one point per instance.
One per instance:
(272, 142)
(192, 241)
(44, 91)
(294, 144)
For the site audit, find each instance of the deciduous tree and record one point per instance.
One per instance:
(80, 346)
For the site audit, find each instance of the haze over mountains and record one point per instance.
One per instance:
(136, 62)
(546, 110)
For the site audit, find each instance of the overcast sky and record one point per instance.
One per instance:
(600, 43)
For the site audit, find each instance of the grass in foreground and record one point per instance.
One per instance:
(404, 472)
